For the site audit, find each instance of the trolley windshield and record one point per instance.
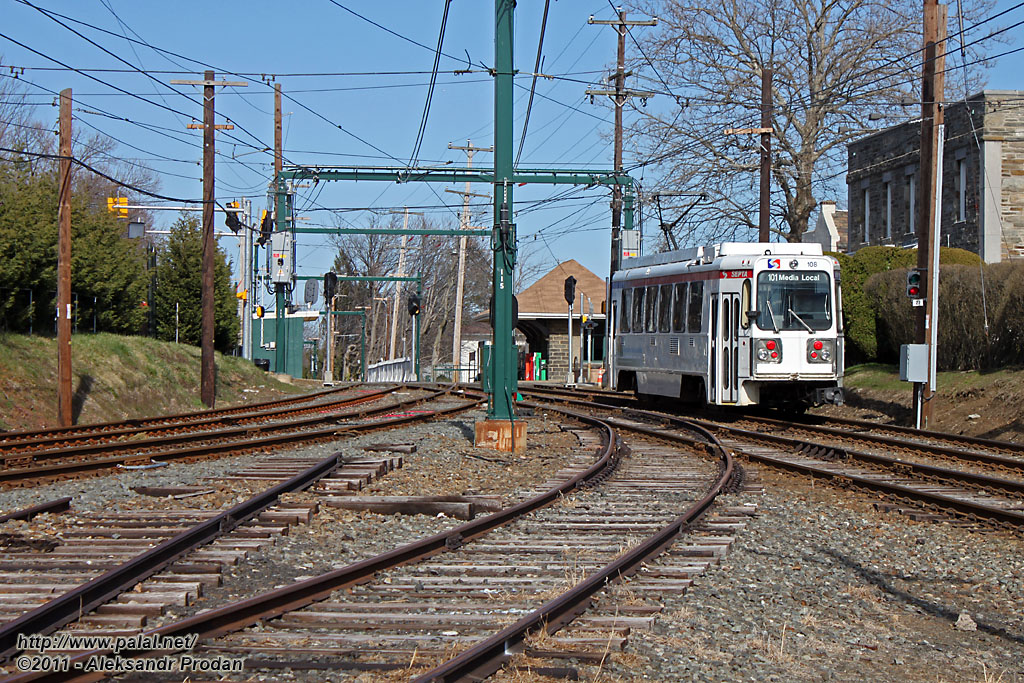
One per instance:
(794, 300)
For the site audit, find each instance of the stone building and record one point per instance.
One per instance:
(982, 199)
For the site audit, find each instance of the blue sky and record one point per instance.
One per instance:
(369, 119)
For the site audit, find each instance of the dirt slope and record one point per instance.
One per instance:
(985, 404)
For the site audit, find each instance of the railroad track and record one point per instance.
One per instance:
(535, 566)
(149, 451)
(919, 486)
(940, 443)
(167, 556)
(9, 438)
(43, 446)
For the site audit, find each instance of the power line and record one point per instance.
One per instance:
(430, 89)
(533, 83)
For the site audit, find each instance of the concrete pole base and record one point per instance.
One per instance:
(501, 435)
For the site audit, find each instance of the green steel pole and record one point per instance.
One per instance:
(416, 326)
(500, 405)
(362, 351)
(280, 334)
(627, 208)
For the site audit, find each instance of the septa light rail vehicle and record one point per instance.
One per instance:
(729, 324)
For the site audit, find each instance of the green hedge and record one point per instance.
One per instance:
(981, 315)
(860, 310)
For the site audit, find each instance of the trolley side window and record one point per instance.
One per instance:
(745, 304)
(694, 319)
(638, 309)
(679, 308)
(626, 309)
(664, 308)
(650, 311)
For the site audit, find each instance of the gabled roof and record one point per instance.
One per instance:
(546, 296)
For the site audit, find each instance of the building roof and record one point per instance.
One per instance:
(546, 296)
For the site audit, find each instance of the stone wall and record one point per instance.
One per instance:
(884, 165)
(1004, 124)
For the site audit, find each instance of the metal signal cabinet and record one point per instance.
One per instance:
(282, 258)
(729, 324)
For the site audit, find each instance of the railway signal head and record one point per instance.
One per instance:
(414, 304)
(118, 205)
(330, 286)
(266, 227)
(914, 288)
(570, 290)
(231, 218)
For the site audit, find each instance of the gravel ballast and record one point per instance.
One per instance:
(818, 586)
(821, 587)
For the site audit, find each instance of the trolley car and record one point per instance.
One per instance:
(729, 324)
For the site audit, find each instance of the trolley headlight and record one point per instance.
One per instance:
(820, 350)
(769, 350)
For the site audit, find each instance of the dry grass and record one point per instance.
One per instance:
(775, 647)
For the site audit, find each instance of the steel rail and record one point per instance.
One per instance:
(896, 464)
(7, 438)
(259, 436)
(820, 422)
(994, 444)
(965, 507)
(62, 610)
(245, 613)
(488, 656)
(882, 440)
(155, 430)
(886, 441)
(59, 505)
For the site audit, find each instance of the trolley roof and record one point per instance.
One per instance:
(709, 253)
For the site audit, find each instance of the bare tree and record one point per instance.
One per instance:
(435, 259)
(835, 62)
(372, 256)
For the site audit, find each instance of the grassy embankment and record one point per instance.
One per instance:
(115, 377)
(988, 404)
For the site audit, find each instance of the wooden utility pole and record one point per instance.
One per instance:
(765, 131)
(766, 155)
(619, 95)
(64, 266)
(398, 285)
(460, 282)
(929, 197)
(208, 389)
(278, 140)
(208, 368)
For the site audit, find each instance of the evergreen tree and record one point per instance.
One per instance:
(179, 281)
(105, 265)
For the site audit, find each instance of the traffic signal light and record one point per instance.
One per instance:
(118, 205)
(570, 290)
(414, 304)
(914, 286)
(260, 311)
(231, 218)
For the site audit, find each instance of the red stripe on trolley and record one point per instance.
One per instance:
(727, 274)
